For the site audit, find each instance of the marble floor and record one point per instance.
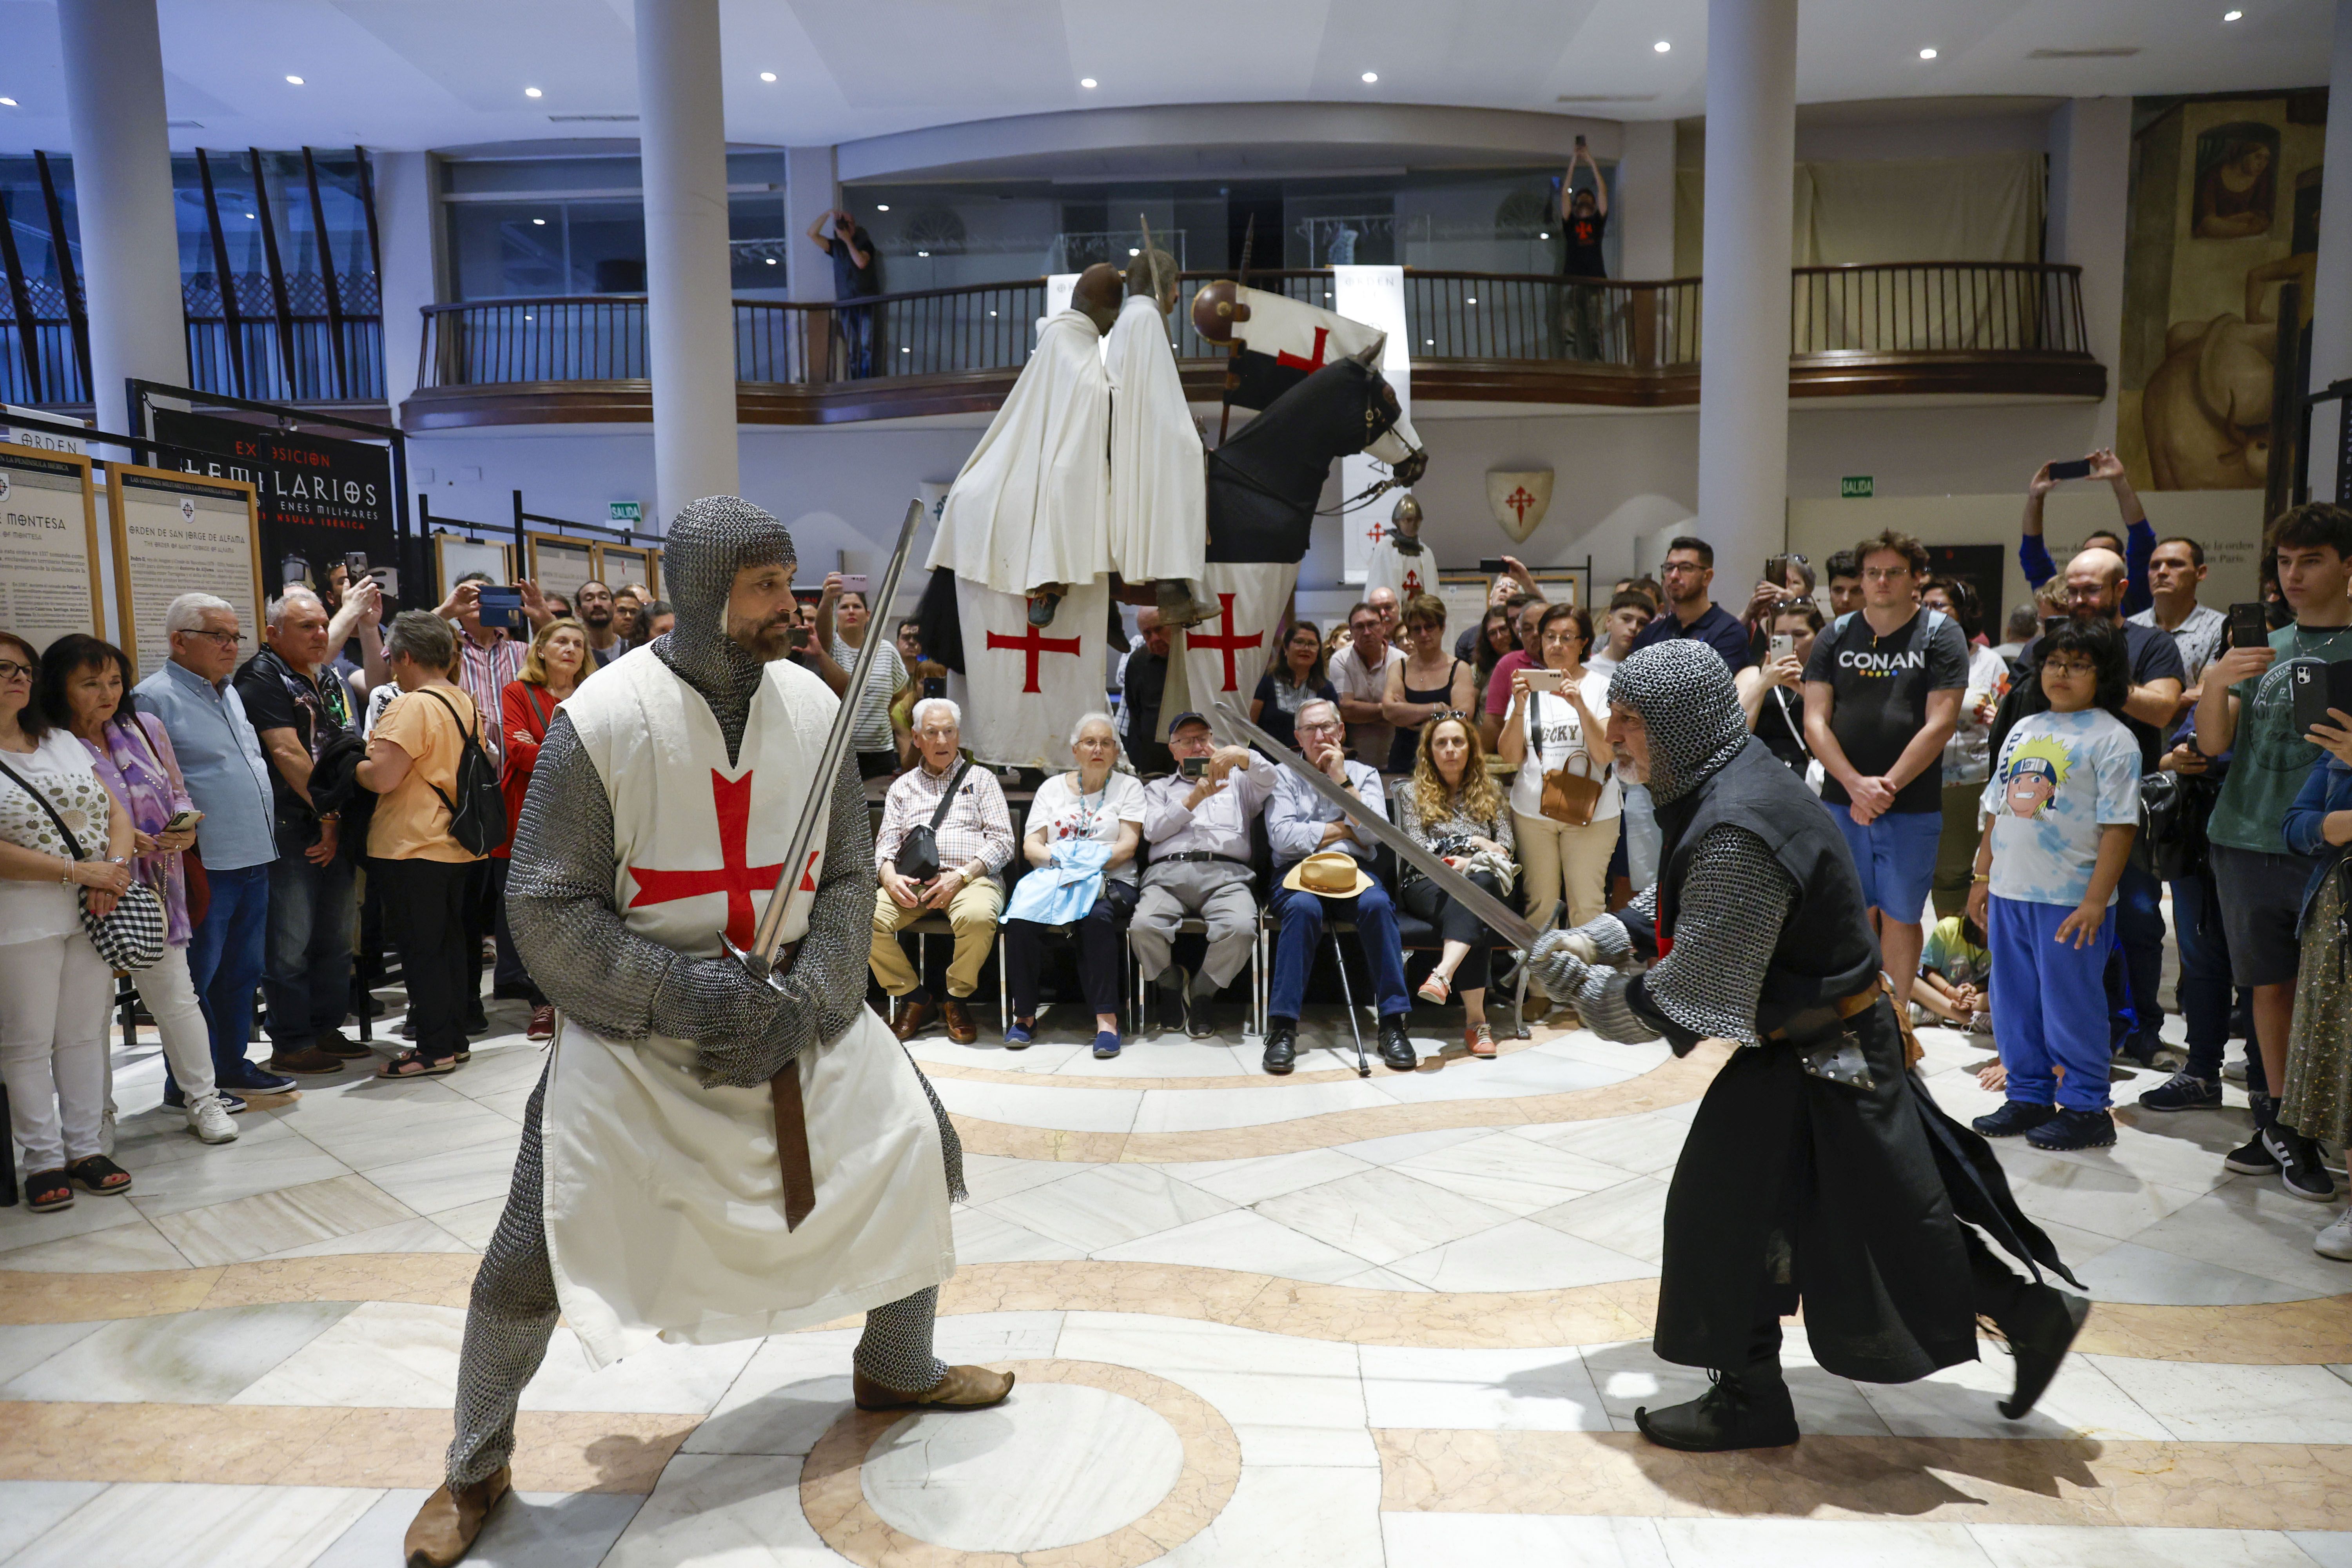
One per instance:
(1325, 1319)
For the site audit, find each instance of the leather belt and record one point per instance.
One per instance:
(791, 1128)
(1844, 1008)
(1194, 857)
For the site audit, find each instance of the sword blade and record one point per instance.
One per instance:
(768, 938)
(1512, 928)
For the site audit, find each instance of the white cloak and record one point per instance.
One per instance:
(663, 1203)
(1402, 574)
(1158, 488)
(1023, 687)
(1032, 504)
(1224, 656)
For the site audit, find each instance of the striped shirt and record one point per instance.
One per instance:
(485, 669)
(871, 730)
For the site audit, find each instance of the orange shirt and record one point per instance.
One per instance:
(411, 822)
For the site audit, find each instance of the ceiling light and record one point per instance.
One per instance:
(991, 312)
(771, 261)
(1471, 300)
(295, 80)
(1927, 54)
(1545, 235)
(906, 351)
(1662, 46)
(249, 215)
(1131, 250)
(533, 92)
(2232, 15)
(1429, 342)
(7, 103)
(1371, 76)
(881, 206)
(923, 253)
(767, 75)
(538, 223)
(1087, 81)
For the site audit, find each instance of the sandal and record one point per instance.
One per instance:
(97, 1173)
(1480, 1039)
(47, 1190)
(408, 1064)
(1435, 990)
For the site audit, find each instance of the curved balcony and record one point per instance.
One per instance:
(2003, 330)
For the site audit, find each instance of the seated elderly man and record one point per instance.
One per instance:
(1318, 847)
(1197, 863)
(945, 838)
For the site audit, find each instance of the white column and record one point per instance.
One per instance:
(410, 281)
(812, 186)
(123, 194)
(2090, 189)
(1644, 214)
(690, 319)
(2331, 322)
(1743, 408)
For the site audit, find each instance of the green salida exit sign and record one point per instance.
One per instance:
(1855, 487)
(634, 511)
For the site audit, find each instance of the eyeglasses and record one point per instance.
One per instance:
(1448, 713)
(10, 670)
(2070, 667)
(1675, 568)
(1319, 726)
(225, 639)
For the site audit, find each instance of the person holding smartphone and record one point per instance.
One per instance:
(2136, 544)
(1585, 214)
(1557, 719)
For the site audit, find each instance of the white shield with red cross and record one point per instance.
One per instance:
(1224, 656)
(1023, 687)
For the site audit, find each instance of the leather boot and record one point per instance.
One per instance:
(963, 1388)
(2039, 1321)
(445, 1527)
(1747, 1410)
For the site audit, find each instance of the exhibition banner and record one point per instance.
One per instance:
(560, 566)
(179, 533)
(320, 498)
(50, 565)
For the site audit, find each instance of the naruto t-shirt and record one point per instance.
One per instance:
(1880, 687)
(2061, 778)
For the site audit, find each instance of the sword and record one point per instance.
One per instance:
(1519, 932)
(768, 938)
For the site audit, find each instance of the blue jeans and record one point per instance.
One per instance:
(1302, 916)
(858, 342)
(2049, 1008)
(226, 958)
(2204, 991)
(307, 973)
(2139, 958)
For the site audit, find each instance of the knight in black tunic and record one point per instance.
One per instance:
(1817, 1168)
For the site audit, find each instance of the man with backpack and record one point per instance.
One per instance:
(438, 811)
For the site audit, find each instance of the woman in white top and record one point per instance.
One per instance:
(1094, 803)
(54, 987)
(1568, 730)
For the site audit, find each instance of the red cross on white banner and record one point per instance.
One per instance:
(1033, 642)
(1286, 357)
(1226, 643)
(734, 877)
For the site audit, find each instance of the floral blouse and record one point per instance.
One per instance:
(1457, 823)
(146, 777)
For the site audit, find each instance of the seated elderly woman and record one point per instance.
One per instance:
(1453, 809)
(1083, 831)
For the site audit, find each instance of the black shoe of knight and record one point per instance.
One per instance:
(2039, 1325)
(1736, 1412)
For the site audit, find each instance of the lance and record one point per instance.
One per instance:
(768, 938)
(1514, 928)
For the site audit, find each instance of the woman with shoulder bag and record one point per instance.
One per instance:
(65, 850)
(1453, 809)
(551, 673)
(1088, 820)
(414, 859)
(1565, 802)
(84, 685)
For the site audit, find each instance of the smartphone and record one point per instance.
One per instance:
(1492, 565)
(182, 820)
(1193, 767)
(1548, 681)
(292, 571)
(355, 564)
(797, 639)
(501, 607)
(1580, 140)
(2316, 686)
(853, 583)
(2071, 469)
(1776, 570)
(2250, 625)
(935, 685)
(2053, 624)
(1784, 645)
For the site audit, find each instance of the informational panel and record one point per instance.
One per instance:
(49, 563)
(1464, 592)
(619, 564)
(34, 431)
(317, 497)
(179, 533)
(1374, 296)
(560, 566)
(453, 555)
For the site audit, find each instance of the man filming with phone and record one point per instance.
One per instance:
(2135, 545)
(1196, 835)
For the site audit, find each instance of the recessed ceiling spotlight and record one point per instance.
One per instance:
(2232, 15)
(294, 80)
(1927, 54)
(1131, 250)
(881, 206)
(771, 261)
(923, 253)
(1471, 300)
(1545, 235)
(249, 215)
(1662, 47)
(1371, 76)
(1087, 81)
(538, 223)
(533, 92)
(767, 75)
(7, 103)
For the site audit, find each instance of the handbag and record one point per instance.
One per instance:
(917, 859)
(131, 935)
(1568, 797)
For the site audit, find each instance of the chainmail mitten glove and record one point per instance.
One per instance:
(1608, 941)
(1559, 963)
(743, 1030)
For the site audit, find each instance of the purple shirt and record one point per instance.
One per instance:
(146, 779)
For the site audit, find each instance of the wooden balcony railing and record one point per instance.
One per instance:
(2012, 328)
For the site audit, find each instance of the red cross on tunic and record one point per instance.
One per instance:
(734, 877)
(1033, 641)
(1226, 643)
(1315, 364)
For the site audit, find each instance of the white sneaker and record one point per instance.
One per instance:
(2336, 1241)
(209, 1121)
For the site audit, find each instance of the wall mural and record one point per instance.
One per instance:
(2224, 208)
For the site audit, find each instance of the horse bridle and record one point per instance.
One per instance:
(1356, 503)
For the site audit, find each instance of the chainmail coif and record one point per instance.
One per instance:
(710, 541)
(1684, 693)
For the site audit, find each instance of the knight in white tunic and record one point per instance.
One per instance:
(1158, 488)
(658, 1159)
(1028, 514)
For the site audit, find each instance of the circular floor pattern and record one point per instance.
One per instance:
(1058, 1464)
(1037, 1481)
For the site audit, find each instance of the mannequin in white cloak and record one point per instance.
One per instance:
(1029, 514)
(1159, 491)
